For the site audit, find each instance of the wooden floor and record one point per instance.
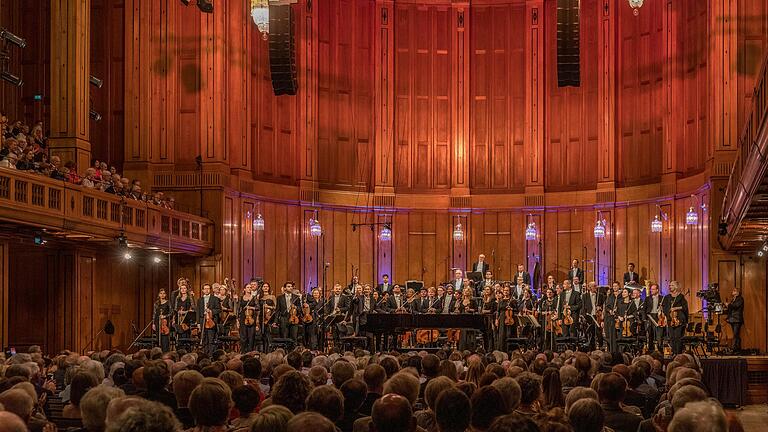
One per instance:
(753, 417)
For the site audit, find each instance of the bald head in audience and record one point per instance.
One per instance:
(704, 416)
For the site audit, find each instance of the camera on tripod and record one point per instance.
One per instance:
(711, 295)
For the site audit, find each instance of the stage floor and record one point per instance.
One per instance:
(753, 417)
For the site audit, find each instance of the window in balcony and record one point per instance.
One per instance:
(38, 195)
(175, 227)
(127, 215)
(165, 224)
(140, 217)
(196, 231)
(185, 228)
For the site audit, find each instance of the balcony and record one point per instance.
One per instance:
(745, 205)
(74, 212)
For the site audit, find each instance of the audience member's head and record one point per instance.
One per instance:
(392, 413)
(374, 376)
(93, 406)
(81, 383)
(612, 388)
(487, 405)
(183, 384)
(453, 411)
(403, 384)
(703, 416)
(328, 401)
(291, 391)
(586, 415)
(210, 403)
(341, 371)
(18, 402)
(10, 422)
(354, 392)
(514, 423)
(145, 416)
(273, 418)
(246, 399)
(510, 391)
(309, 421)
(530, 387)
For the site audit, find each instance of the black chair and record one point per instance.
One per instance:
(693, 339)
(284, 343)
(349, 343)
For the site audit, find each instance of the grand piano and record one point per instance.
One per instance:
(378, 323)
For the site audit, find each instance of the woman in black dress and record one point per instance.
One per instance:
(162, 319)
(467, 305)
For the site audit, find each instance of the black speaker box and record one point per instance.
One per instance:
(282, 50)
(568, 53)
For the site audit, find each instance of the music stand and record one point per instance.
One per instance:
(475, 277)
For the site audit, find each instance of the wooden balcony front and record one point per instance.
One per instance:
(76, 212)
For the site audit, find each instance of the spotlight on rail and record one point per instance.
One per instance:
(96, 82)
(205, 6)
(94, 115)
(11, 79)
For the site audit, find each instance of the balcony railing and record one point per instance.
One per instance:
(43, 202)
(749, 168)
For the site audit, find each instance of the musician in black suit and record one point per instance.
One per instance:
(517, 290)
(592, 302)
(631, 275)
(637, 310)
(288, 303)
(480, 265)
(384, 286)
(736, 317)
(652, 307)
(570, 299)
(522, 273)
(336, 305)
(248, 316)
(396, 299)
(208, 306)
(610, 316)
(458, 280)
(361, 305)
(676, 309)
(575, 271)
(447, 300)
(350, 289)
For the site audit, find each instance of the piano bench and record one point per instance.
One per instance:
(349, 343)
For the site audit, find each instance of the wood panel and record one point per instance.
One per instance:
(423, 92)
(497, 110)
(752, 44)
(345, 93)
(572, 126)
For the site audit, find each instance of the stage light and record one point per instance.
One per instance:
(95, 116)
(722, 228)
(205, 6)
(127, 256)
(157, 260)
(11, 78)
(760, 253)
(531, 232)
(96, 82)
(185, 2)
(765, 247)
(258, 222)
(12, 38)
(386, 233)
(656, 225)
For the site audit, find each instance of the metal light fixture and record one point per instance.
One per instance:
(599, 230)
(385, 234)
(315, 229)
(636, 5)
(260, 15)
(530, 232)
(692, 217)
(258, 222)
(656, 225)
(458, 232)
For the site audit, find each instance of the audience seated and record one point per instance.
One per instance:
(460, 391)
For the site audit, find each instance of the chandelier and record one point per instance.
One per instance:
(692, 217)
(599, 230)
(386, 233)
(636, 5)
(315, 229)
(258, 222)
(656, 225)
(260, 15)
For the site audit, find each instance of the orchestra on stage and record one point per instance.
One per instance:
(471, 311)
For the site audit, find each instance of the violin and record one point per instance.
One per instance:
(293, 319)
(567, 317)
(209, 324)
(626, 329)
(509, 317)
(662, 321)
(557, 327)
(164, 329)
(307, 313)
(249, 320)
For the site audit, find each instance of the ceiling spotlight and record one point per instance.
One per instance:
(122, 241)
(11, 78)
(157, 260)
(205, 6)
(765, 247)
(95, 115)
(96, 82)
(760, 253)
(12, 38)
(127, 256)
(185, 2)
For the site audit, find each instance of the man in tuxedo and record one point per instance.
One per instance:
(631, 275)
(480, 266)
(652, 308)
(337, 304)
(571, 299)
(458, 280)
(524, 274)
(736, 317)
(448, 302)
(517, 289)
(591, 300)
(361, 305)
(384, 286)
(285, 302)
(396, 300)
(208, 304)
(487, 280)
(575, 271)
(423, 303)
(577, 284)
(350, 289)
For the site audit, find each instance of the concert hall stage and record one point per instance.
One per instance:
(737, 380)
